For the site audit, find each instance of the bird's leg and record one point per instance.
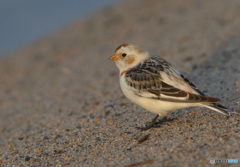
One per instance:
(150, 125)
(162, 120)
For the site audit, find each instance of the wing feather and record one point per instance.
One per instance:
(157, 79)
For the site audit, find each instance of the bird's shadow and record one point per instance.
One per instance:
(160, 121)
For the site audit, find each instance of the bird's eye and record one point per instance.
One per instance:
(124, 55)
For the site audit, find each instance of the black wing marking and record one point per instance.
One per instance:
(192, 85)
(176, 95)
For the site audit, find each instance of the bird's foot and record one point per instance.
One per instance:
(151, 124)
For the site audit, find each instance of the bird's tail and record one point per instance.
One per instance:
(218, 107)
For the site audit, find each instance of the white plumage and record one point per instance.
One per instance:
(154, 84)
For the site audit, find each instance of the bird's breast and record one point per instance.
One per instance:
(127, 90)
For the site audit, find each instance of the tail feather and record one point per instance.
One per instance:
(218, 107)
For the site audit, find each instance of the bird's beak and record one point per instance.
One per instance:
(113, 57)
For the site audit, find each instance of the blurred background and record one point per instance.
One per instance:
(25, 21)
(60, 98)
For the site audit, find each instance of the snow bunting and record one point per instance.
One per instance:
(154, 84)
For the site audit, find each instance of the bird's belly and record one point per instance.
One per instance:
(162, 108)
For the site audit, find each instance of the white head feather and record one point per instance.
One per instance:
(127, 56)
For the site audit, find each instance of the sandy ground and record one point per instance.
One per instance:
(61, 104)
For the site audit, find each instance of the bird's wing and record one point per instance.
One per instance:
(157, 79)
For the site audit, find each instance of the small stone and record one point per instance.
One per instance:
(79, 127)
(57, 136)
(143, 139)
(129, 148)
(66, 159)
(225, 137)
(58, 151)
(74, 134)
(97, 120)
(45, 138)
(111, 121)
(98, 139)
(27, 158)
(20, 138)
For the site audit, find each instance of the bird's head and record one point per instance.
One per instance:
(127, 56)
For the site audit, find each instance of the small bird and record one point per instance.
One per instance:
(154, 84)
